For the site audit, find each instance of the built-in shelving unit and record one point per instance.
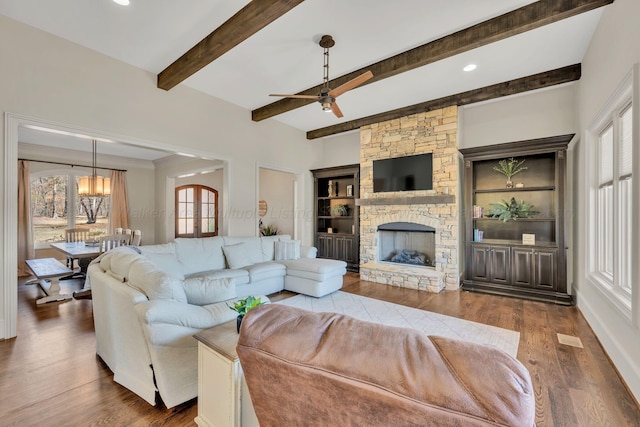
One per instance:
(524, 257)
(337, 231)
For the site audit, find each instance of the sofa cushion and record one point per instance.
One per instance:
(154, 283)
(318, 269)
(200, 254)
(253, 247)
(120, 262)
(207, 290)
(167, 262)
(240, 276)
(268, 245)
(285, 250)
(162, 248)
(265, 270)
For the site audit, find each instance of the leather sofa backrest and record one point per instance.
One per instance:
(305, 368)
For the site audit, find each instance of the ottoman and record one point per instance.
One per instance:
(315, 277)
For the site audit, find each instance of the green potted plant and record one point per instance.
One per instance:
(340, 210)
(512, 210)
(243, 306)
(509, 168)
(269, 230)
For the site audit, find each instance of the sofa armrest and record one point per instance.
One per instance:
(308, 251)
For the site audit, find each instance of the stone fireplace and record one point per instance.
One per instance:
(423, 223)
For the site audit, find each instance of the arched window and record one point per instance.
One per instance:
(196, 211)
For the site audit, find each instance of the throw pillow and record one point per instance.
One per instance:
(237, 255)
(206, 290)
(286, 250)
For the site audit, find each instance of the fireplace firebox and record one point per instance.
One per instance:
(407, 243)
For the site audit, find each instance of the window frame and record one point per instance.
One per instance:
(625, 300)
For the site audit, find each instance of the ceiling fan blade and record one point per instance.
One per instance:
(336, 110)
(295, 96)
(351, 84)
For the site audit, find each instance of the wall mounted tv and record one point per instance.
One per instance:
(409, 173)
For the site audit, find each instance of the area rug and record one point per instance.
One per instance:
(386, 313)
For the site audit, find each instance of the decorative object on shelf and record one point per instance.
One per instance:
(333, 188)
(528, 239)
(349, 190)
(509, 168)
(243, 306)
(262, 208)
(512, 210)
(519, 184)
(269, 230)
(340, 210)
(332, 230)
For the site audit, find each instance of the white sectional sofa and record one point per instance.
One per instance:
(149, 301)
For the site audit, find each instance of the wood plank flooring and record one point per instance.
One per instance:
(50, 374)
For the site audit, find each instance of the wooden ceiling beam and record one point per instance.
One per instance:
(511, 87)
(518, 21)
(249, 20)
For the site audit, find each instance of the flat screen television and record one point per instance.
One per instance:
(409, 173)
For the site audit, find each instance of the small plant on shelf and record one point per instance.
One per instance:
(512, 210)
(340, 210)
(509, 168)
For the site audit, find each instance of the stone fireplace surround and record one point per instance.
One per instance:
(430, 132)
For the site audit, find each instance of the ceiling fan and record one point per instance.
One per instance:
(327, 96)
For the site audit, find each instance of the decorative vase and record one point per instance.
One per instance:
(509, 183)
(239, 322)
(331, 189)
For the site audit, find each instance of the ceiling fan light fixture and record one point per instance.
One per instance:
(326, 107)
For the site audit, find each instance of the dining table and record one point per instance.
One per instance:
(84, 252)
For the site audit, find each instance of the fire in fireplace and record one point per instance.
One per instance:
(407, 243)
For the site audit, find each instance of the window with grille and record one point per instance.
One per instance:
(196, 211)
(610, 214)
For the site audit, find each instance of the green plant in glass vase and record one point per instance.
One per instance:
(512, 210)
(509, 168)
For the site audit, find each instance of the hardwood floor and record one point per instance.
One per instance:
(50, 374)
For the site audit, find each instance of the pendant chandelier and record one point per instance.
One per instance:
(94, 185)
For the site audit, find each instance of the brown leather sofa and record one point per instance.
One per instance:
(327, 369)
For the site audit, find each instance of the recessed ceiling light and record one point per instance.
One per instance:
(470, 67)
(122, 2)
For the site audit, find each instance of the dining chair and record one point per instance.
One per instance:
(75, 235)
(111, 241)
(136, 237)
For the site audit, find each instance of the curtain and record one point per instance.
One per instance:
(119, 215)
(25, 226)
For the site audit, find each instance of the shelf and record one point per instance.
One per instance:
(336, 198)
(517, 220)
(512, 190)
(513, 243)
(334, 217)
(324, 233)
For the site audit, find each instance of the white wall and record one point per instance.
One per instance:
(339, 150)
(50, 79)
(277, 189)
(530, 115)
(612, 53)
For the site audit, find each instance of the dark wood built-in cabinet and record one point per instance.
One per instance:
(497, 258)
(336, 232)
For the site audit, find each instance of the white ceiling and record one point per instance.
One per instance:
(284, 57)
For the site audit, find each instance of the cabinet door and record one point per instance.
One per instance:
(500, 257)
(480, 266)
(545, 262)
(522, 267)
(344, 248)
(325, 246)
